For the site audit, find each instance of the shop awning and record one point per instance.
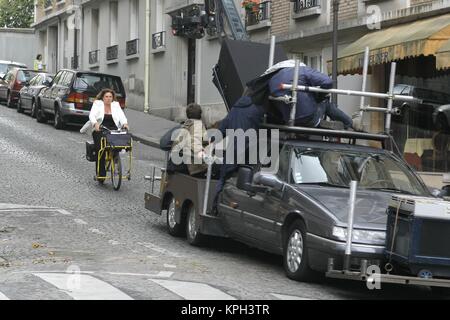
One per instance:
(423, 37)
(443, 56)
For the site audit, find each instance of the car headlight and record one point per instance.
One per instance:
(360, 235)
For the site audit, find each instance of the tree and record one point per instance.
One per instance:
(16, 13)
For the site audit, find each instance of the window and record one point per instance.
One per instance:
(94, 83)
(114, 7)
(66, 82)
(58, 77)
(159, 16)
(134, 19)
(95, 28)
(283, 167)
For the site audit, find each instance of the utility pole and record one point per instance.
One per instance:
(335, 47)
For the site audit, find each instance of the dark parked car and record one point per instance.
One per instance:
(68, 98)
(421, 115)
(6, 66)
(29, 93)
(12, 83)
(301, 211)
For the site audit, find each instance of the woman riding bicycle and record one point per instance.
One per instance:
(106, 112)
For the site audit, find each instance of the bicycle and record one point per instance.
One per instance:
(111, 145)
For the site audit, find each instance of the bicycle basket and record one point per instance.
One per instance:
(121, 140)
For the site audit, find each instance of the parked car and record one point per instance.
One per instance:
(299, 212)
(68, 98)
(6, 66)
(12, 83)
(420, 115)
(28, 94)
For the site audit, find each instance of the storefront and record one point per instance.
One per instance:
(421, 50)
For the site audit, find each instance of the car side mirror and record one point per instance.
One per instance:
(445, 191)
(245, 181)
(268, 180)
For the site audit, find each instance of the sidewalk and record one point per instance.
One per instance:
(146, 128)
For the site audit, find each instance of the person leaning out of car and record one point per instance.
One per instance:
(106, 112)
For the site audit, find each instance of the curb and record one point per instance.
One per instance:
(151, 142)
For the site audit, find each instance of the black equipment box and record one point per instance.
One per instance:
(418, 235)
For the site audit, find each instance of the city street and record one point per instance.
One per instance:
(60, 229)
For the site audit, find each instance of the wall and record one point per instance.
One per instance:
(18, 45)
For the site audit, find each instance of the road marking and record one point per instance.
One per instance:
(161, 274)
(3, 297)
(114, 242)
(79, 221)
(169, 266)
(96, 231)
(156, 248)
(64, 212)
(286, 297)
(193, 290)
(83, 287)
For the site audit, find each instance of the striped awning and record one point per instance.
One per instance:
(422, 37)
(443, 56)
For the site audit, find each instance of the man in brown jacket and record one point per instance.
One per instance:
(189, 141)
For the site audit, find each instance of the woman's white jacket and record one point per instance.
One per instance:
(98, 113)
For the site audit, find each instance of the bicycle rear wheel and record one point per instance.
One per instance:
(116, 171)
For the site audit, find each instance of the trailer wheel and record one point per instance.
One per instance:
(295, 254)
(193, 235)
(175, 229)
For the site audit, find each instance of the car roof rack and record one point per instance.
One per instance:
(328, 132)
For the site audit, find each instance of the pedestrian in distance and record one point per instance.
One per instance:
(105, 112)
(38, 64)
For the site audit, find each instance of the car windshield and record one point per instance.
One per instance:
(336, 168)
(94, 83)
(3, 68)
(25, 75)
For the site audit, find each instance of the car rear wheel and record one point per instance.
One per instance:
(295, 254)
(193, 235)
(33, 109)
(9, 100)
(40, 115)
(19, 106)
(58, 121)
(175, 229)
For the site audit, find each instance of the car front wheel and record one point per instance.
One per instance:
(295, 257)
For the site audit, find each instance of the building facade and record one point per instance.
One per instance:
(398, 31)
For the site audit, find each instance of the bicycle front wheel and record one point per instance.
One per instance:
(116, 171)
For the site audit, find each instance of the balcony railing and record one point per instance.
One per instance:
(93, 57)
(112, 52)
(262, 13)
(132, 47)
(159, 40)
(300, 5)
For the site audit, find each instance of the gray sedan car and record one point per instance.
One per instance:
(299, 212)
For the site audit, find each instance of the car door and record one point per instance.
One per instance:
(4, 86)
(50, 93)
(27, 92)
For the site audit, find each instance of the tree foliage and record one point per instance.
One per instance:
(16, 13)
